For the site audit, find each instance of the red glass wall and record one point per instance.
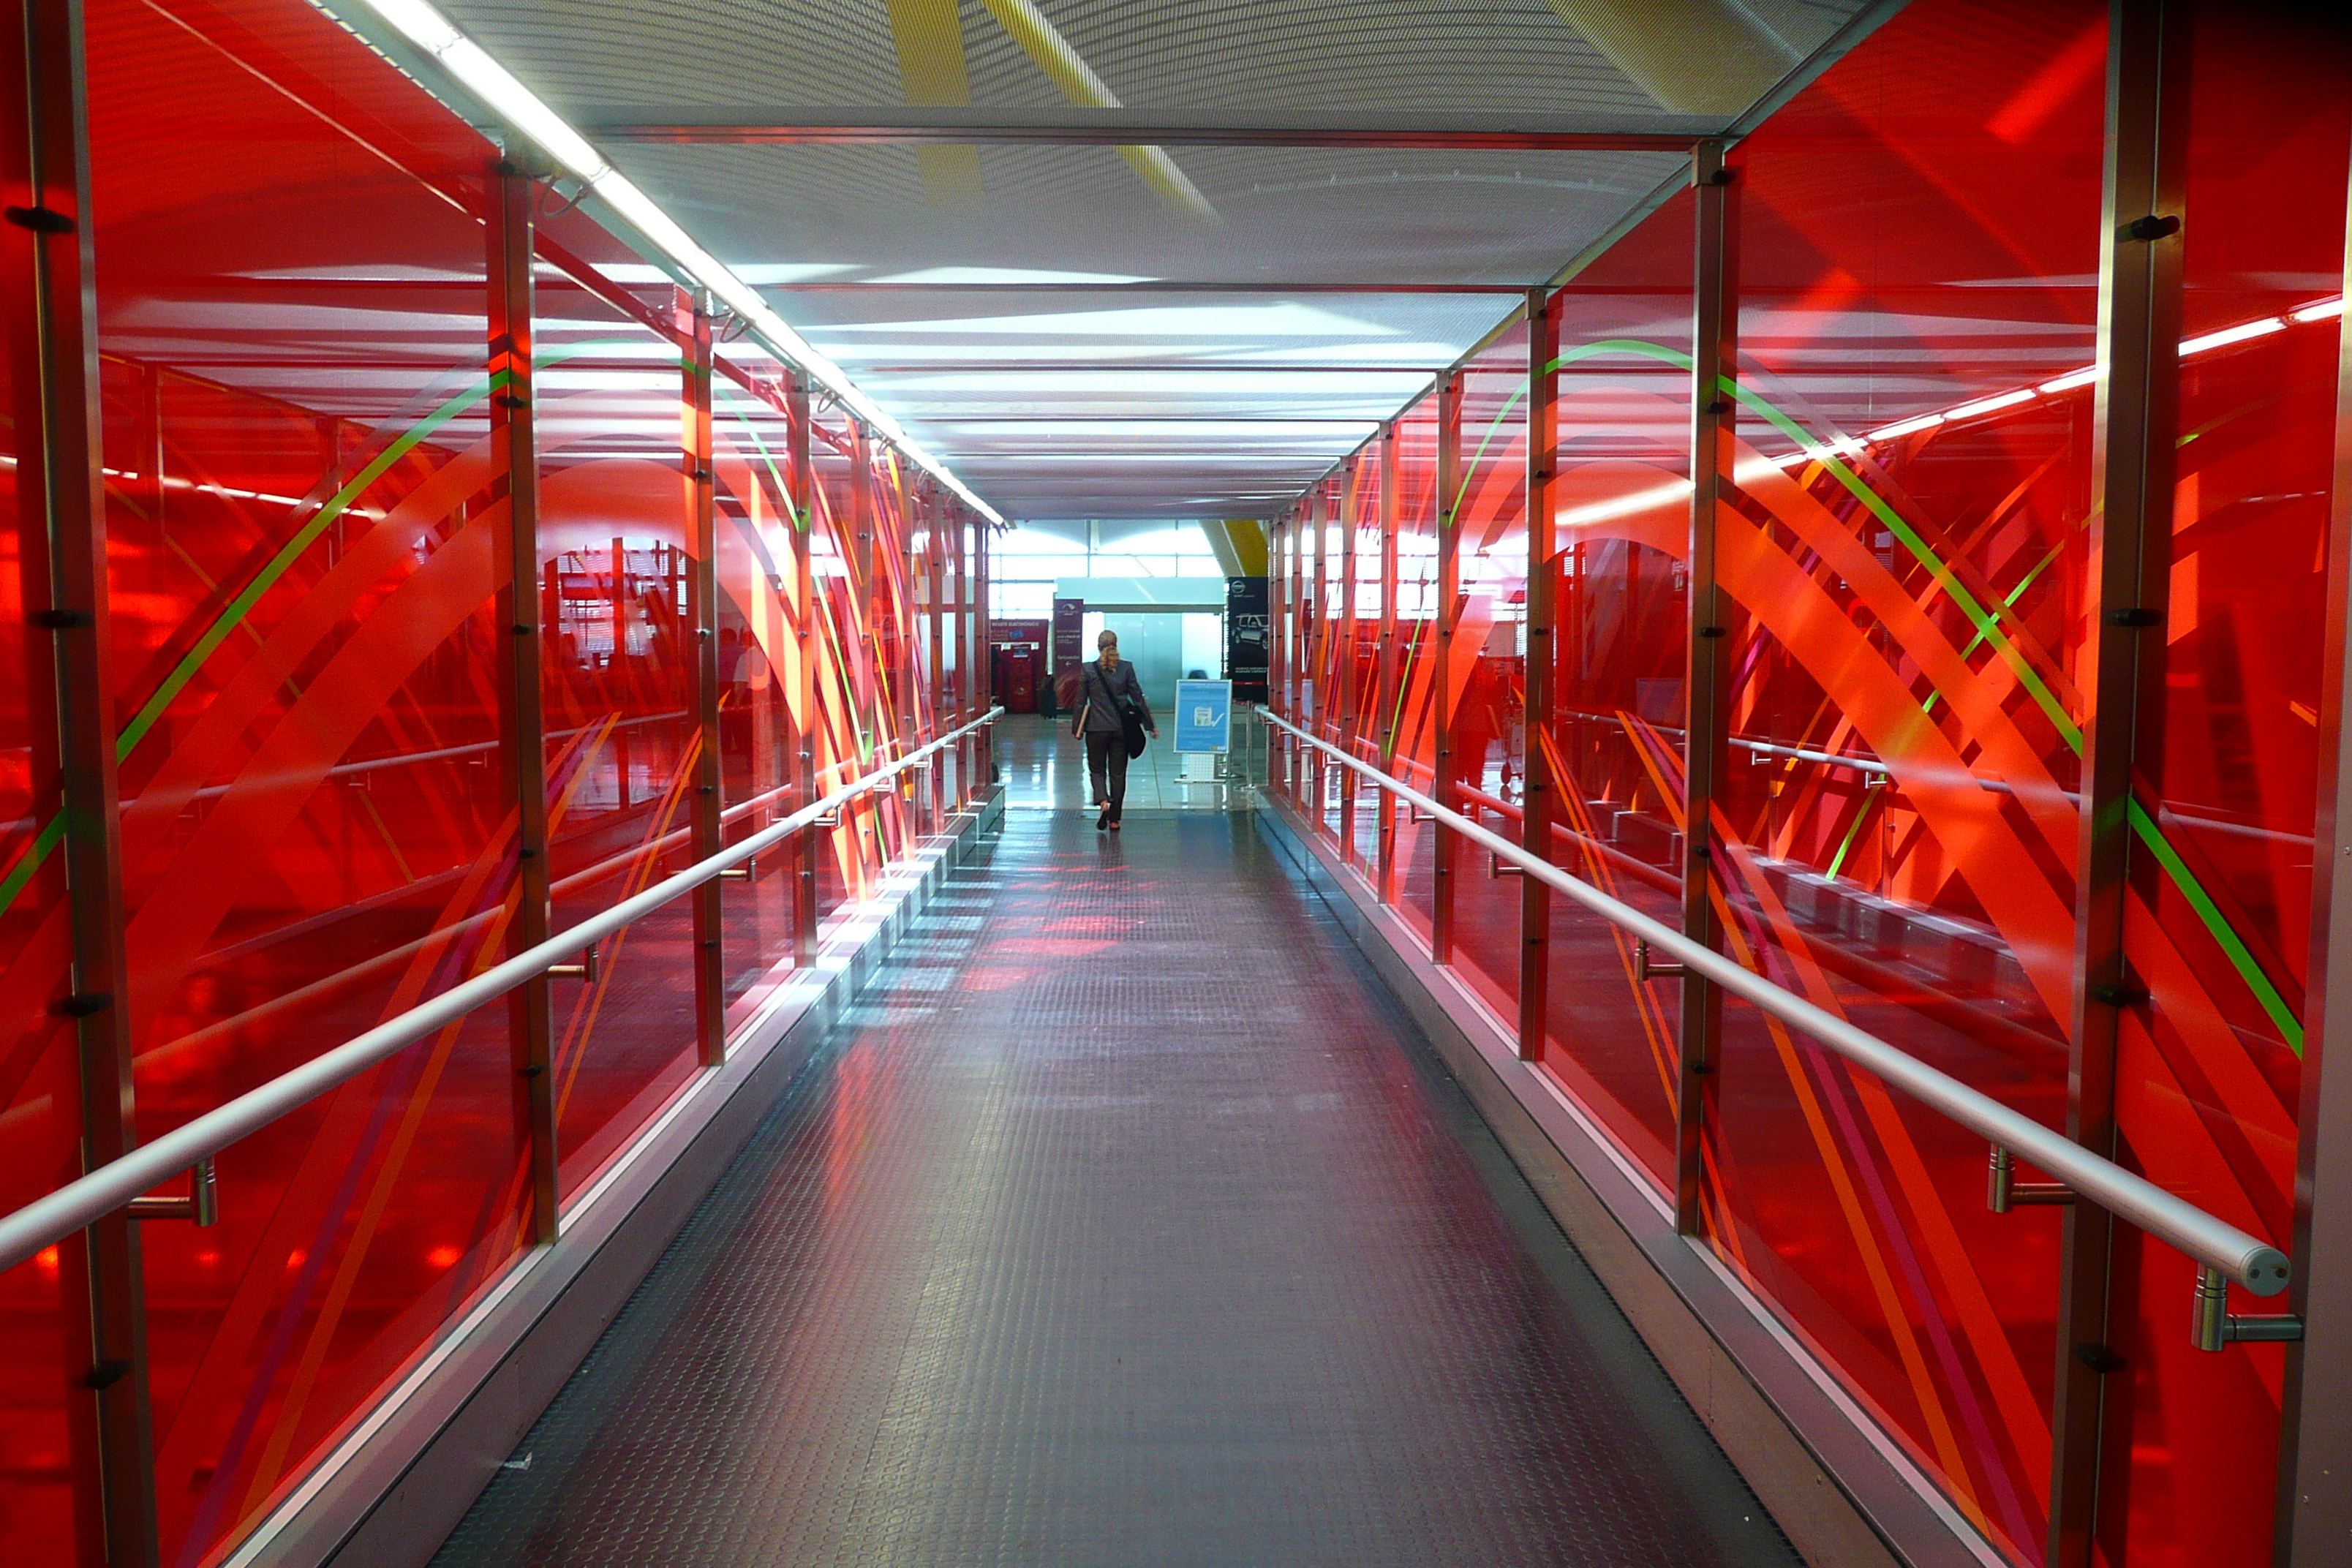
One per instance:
(1614, 738)
(1489, 643)
(1415, 702)
(1905, 550)
(2209, 1073)
(307, 603)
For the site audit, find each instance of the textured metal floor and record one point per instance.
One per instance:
(1128, 1222)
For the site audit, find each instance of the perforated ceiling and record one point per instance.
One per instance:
(1195, 322)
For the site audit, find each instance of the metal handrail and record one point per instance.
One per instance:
(2209, 1240)
(113, 1186)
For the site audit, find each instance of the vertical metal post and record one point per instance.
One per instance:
(958, 698)
(937, 514)
(702, 607)
(1535, 827)
(46, 250)
(2315, 1507)
(2136, 414)
(1715, 326)
(1284, 661)
(1384, 717)
(1445, 851)
(522, 610)
(1315, 699)
(810, 841)
(867, 634)
(985, 633)
(1343, 662)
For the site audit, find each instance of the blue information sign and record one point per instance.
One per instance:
(1204, 715)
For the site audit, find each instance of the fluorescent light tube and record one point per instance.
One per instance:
(1987, 404)
(2244, 331)
(2318, 313)
(2070, 381)
(497, 87)
(1907, 426)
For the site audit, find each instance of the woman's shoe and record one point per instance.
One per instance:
(1104, 821)
(1114, 824)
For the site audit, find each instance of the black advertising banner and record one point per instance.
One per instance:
(1069, 647)
(1245, 637)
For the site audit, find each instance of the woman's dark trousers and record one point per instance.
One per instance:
(1107, 750)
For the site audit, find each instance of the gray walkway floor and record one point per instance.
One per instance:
(1127, 1222)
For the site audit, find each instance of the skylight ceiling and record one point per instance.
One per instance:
(1197, 323)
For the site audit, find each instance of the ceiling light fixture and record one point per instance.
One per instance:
(520, 107)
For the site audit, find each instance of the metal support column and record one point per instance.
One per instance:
(960, 711)
(1285, 659)
(1314, 697)
(1343, 661)
(1539, 804)
(1384, 715)
(2314, 1510)
(938, 517)
(810, 841)
(985, 633)
(2135, 422)
(702, 608)
(1715, 324)
(1443, 851)
(61, 519)
(865, 632)
(523, 611)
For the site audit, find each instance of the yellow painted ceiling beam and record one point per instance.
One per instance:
(1693, 56)
(931, 66)
(1051, 53)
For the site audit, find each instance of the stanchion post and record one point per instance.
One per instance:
(2135, 425)
(810, 841)
(1715, 323)
(1445, 851)
(702, 610)
(1534, 823)
(524, 612)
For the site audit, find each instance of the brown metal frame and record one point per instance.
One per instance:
(1542, 611)
(810, 842)
(1113, 128)
(937, 510)
(1311, 613)
(46, 249)
(510, 190)
(702, 610)
(1715, 325)
(1445, 852)
(2136, 422)
(1385, 703)
(1343, 661)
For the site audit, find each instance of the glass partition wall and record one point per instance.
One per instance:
(1898, 809)
(375, 415)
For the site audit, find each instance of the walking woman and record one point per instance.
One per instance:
(1103, 687)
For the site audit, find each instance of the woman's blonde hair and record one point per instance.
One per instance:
(1108, 639)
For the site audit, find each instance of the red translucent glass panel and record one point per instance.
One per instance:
(617, 687)
(304, 583)
(2218, 918)
(856, 715)
(1488, 656)
(1896, 840)
(1621, 517)
(759, 619)
(1415, 702)
(39, 1098)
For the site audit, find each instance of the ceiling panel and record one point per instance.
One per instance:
(1129, 332)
